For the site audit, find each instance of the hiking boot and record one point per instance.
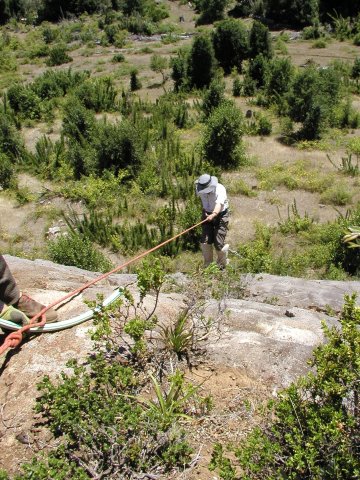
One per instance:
(31, 307)
(14, 315)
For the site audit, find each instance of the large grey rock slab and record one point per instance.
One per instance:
(269, 342)
(299, 292)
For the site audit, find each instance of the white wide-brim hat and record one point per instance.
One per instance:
(206, 184)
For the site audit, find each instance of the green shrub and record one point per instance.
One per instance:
(320, 43)
(56, 83)
(237, 87)
(135, 83)
(118, 58)
(213, 96)
(264, 126)
(10, 139)
(24, 101)
(98, 94)
(201, 62)
(223, 134)
(6, 172)
(337, 195)
(78, 251)
(57, 56)
(311, 430)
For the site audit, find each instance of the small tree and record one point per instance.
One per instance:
(260, 40)
(355, 71)
(135, 83)
(230, 41)
(6, 171)
(258, 70)
(222, 144)
(159, 64)
(313, 97)
(201, 63)
(213, 96)
(179, 72)
(58, 56)
(279, 78)
(211, 11)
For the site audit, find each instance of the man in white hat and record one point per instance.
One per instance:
(215, 209)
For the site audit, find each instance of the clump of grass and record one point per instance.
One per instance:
(337, 195)
(300, 175)
(320, 43)
(239, 186)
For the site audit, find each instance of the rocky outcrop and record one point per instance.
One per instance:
(266, 336)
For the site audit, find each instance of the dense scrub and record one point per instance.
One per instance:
(126, 159)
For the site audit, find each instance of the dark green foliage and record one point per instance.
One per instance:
(222, 137)
(48, 157)
(231, 44)
(346, 8)
(11, 8)
(10, 140)
(118, 58)
(278, 79)
(355, 71)
(98, 94)
(179, 73)
(293, 12)
(24, 101)
(348, 258)
(312, 428)
(55, 10)
(97, 411)
(49, 33)
(213, 96)
(258, 70)
(211, 11)
(78, 122)
(58, 55)
(314, 95)
(242, 8)
(201, 62)
(6, 171)
(56, 83)
(259, 40)
(117, 146)
(135, 83)
(132, 7)
(188, 217)
(264, 126)
(237, 87)
(78, 251)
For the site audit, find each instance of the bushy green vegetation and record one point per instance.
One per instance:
(311, 429)
(99, 413)
(319, 250)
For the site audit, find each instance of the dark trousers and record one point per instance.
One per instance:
(9, 291)
(214, 232)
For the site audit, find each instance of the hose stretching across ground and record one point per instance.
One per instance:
(55, 327)
(15, 338)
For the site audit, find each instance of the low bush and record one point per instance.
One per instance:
(57, 56)
(24, 101)
(7, 176)
(118, 58)
(78, 251)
